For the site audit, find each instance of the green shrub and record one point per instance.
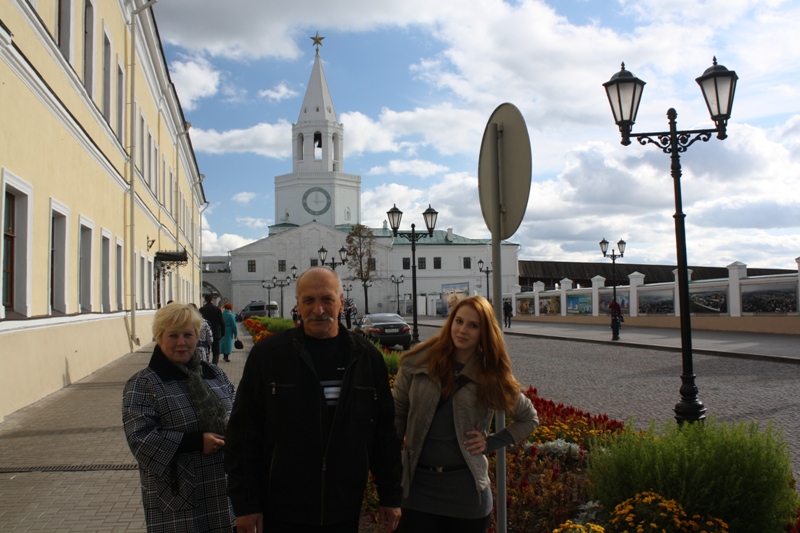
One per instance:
(276, 324)
(731, 471)
(392, 360)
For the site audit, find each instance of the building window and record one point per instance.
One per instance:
(88, 48)
(105, 273)
(314, 262)
(251, 265)
(468, 263)
(281, 265)
(118, 279)
(421, 263)
(64, 27)
(141, 145)
(406, 263)
(371, 264)
(120, 104)
(9, 238)
(85, 260)
(437, 263)
(18, 203)
(108, 72)
(59, 222)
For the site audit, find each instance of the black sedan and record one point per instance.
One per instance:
(387, 328)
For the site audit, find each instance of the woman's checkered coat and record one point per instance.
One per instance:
(181, 492)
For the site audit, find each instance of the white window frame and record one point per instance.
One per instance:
(23, 256)
(59, 279)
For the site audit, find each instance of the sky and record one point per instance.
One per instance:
(414, 83)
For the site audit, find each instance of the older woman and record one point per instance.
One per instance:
(174, 413)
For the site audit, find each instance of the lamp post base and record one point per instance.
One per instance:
(690, 408)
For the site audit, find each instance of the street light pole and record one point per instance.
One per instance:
(616, 309)
(347, 289)
(367, 283)
(269, 286)
(397, 281)
(323, 254)
(430, 215)
(624, 91)
(281, 283)
(488, 271)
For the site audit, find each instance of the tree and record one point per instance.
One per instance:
(360, 245)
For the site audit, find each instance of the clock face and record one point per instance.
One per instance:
(316, 201)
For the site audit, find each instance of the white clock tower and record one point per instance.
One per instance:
(318, 189)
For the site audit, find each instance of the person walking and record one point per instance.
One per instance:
(174, 414)
(229, 321)
(214, 317)
(616, 318)
(348, 313)
(446, 394)
(508, 312)
(313, 414)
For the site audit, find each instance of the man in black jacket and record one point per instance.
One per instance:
(313, 416)
(213, 316)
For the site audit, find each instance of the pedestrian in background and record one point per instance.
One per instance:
(446, 394)
(214, 317)
(204, 340)
(229, 321)
(174, 414)
(508, 312)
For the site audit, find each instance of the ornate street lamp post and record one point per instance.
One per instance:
(269, 286)
(624, 92)
(488, 271)
(397, 281)
(281, 283)
(367, 283)
(616, 312)
(347, 288)
(430, 215)
(323, 253)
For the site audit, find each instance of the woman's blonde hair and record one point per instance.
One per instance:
(497, 387)
(176, 316)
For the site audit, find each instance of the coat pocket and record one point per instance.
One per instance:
(176, 490)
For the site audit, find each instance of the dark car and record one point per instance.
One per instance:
(387, 328)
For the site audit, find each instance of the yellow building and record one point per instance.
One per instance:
(94, 240)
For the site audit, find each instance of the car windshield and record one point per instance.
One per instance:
(382, 318)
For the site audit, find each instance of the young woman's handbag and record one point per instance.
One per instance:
(238, 344)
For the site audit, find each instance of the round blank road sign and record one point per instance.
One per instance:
(514, 157)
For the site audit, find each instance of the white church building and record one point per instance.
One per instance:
(318, 204)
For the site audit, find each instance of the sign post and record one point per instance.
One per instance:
(504, 184)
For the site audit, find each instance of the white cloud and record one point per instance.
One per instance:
(252, 223)
(243, 197)
(269, 140)
(282, 91)
(194, 80)
(214, 244)
(416, 167)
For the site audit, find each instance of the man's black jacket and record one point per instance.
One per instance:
(275, 452)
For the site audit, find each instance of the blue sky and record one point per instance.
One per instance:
(414, 83)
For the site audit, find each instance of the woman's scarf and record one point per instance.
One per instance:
(211, 413)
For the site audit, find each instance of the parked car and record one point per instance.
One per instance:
(387, 328)
(258, 308)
